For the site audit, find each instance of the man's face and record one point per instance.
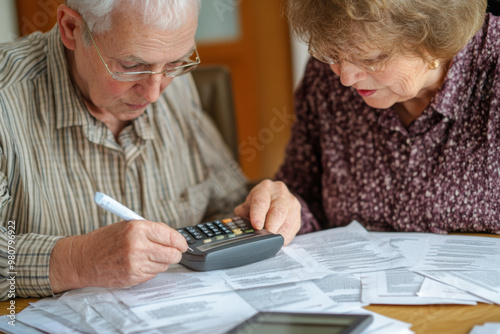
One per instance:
(128, 46)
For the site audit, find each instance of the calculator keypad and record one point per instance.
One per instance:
(216, 230)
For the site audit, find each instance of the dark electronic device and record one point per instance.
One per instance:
(227, 243)
(299, 323)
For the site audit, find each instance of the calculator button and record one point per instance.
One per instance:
(196, 235)
(237, 231)
(206, 241)
(219, 237)
(248, 231)
(185, 235)
(232, 225)
(227, 220)
(213, 228)
(232, 235)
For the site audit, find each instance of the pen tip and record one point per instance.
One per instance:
(98, 196)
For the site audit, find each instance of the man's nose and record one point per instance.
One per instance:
(152, 87)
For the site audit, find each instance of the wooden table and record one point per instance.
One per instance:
(428, 319)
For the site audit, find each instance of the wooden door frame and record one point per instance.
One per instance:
(36, 15)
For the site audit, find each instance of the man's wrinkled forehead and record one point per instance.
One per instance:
(130, 38)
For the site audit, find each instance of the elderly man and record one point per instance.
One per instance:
(85, 108)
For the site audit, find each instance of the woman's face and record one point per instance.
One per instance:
(400, 79)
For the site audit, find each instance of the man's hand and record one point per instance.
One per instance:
(270, 205)
(117, 255)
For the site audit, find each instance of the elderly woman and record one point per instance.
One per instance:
(397, 116)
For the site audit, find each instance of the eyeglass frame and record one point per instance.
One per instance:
(338, 60)
(116, 75)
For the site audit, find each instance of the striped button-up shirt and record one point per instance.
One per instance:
(169, 165)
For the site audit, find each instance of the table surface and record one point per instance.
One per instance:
(428, 319)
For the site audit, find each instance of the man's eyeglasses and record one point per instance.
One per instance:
(189, 63)
(366, 65)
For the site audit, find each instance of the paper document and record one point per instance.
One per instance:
(399, 287)
(487, 328)
(52, 316)
(350, 249)
(433, 289)
(176, 282)
(94, 304)
(196, 314)
(342, 288)
(333, 271)
(452, 252)
(288, 266)
(304, 296)
(485, 284)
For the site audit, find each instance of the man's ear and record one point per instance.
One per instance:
(70, 23)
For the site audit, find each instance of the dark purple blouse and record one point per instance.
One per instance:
(347, 160)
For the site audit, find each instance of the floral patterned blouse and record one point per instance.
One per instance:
(347, 160)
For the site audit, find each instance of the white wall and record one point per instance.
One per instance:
(300, 56)
(8, 21)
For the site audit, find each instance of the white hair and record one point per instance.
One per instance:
(160, 14)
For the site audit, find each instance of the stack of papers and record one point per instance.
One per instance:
(333, 271)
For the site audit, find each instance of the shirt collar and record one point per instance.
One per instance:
(457, 87)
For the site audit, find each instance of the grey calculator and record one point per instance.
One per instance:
(227, 243)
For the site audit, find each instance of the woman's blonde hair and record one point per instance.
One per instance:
(430, 29)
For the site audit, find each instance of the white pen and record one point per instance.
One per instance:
(115, 207)
(111, 205)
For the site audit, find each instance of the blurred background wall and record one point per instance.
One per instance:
(8, 21)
